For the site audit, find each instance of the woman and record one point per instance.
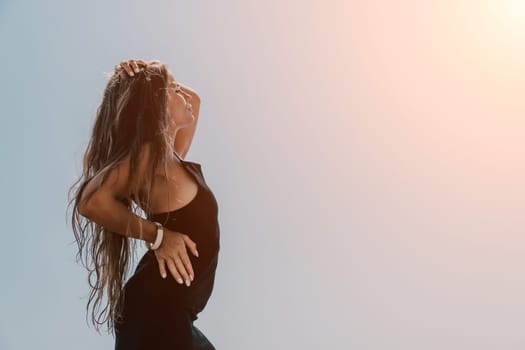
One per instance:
(135, 161)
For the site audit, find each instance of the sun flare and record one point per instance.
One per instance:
(511, 15)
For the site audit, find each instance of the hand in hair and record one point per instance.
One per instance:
(132, 66)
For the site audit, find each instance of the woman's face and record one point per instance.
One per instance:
(179, 105)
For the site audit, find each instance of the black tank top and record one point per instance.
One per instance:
(199, 217)
(199, 220)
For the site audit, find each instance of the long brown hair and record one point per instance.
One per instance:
(132, 116)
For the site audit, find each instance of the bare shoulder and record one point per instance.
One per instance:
(117, 182)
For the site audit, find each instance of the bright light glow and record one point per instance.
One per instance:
(511, 16)
(515, 9)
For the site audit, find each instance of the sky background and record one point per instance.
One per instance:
(367, 156)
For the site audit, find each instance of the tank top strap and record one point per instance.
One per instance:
(182, 160)
(193, 165)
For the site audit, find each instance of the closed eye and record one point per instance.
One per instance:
(176, 87)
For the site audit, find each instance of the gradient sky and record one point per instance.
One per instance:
(367, 156)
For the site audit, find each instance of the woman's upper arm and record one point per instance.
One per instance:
(116, 185)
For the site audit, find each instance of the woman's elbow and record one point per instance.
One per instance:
(88, 207)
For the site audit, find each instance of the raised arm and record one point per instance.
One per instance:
(184, 136)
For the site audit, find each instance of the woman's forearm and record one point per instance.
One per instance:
(188, 90)
(115, 217)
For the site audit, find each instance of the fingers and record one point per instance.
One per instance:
(130, 66)
(135, 66)
(178, 271)
(177, 259)
(127, 67)
(173, 269)
(182, 269)
(162, 268)
(187, 264)
(122, 66)
(118, 70)
(192, 245)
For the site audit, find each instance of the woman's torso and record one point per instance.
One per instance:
(197, 218)
(196, 210)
